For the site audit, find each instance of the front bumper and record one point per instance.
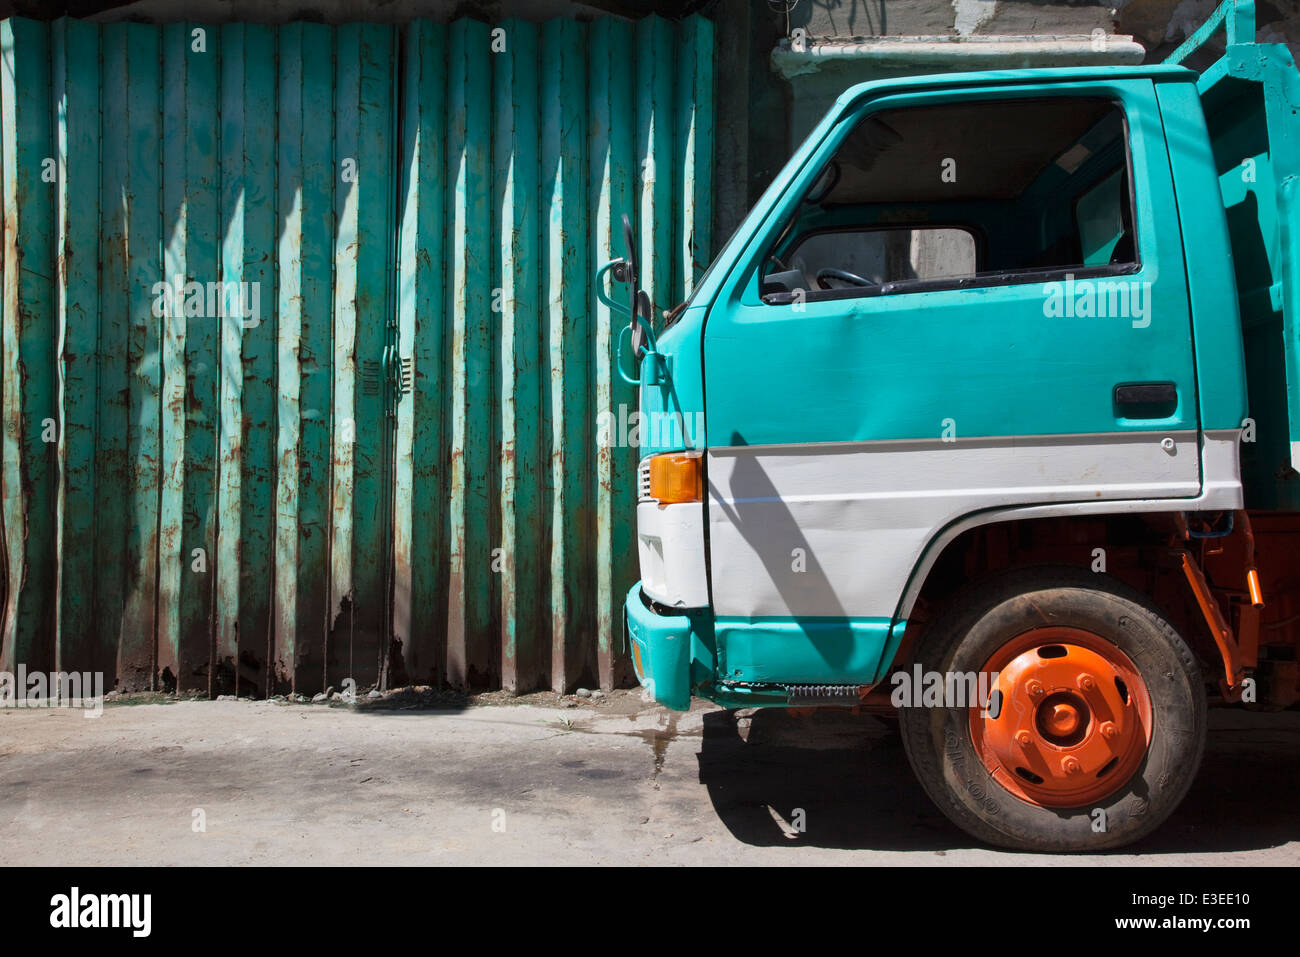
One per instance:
(672, 654)
(750, 664)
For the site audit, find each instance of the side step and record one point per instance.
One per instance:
(813, 695)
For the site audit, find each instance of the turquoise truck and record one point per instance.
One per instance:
(990, 418)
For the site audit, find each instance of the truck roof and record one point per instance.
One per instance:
(1158, 72)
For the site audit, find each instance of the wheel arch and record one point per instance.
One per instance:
(995, 541)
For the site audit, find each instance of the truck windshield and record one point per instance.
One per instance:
(676, 312)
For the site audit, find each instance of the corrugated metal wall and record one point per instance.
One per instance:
(391, 470)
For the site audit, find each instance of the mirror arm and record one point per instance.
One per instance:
(615, 265)
(658, 364)
(615, 307)
(651, 345)
(618, 357)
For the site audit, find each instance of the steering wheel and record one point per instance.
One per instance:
(843, 275)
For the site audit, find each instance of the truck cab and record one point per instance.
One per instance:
(986, 416)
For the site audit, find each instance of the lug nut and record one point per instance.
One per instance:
(1023, 738)
(1108, 729)
(1035, 688)
(1086, 683)
(1071, 766)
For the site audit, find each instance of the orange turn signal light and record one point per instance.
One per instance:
(677, 477)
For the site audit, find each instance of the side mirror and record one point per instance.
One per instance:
(633, 334)
(639, 331)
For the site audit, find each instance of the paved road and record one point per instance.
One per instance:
(613, 782)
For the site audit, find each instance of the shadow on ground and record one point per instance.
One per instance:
(850, 777)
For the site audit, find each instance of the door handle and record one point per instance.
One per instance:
(1146, 400)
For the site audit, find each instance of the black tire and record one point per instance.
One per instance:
(938, 740)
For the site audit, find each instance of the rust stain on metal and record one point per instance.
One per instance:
(490, 450)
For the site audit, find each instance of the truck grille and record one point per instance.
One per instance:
(643, 481)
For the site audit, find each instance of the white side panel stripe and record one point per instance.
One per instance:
(836, 529)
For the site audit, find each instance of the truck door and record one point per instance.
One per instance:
(970, 298)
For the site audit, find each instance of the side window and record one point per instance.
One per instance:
(963, 194)
(1099, 214)
(871, 257)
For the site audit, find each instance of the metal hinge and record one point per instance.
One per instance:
(393, 371)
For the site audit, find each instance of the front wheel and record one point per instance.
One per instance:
(1089, 722)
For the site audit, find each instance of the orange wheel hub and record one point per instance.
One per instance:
(1068, 719)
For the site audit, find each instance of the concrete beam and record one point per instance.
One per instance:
(947, 53)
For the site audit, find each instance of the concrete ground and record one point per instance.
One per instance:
(546, 780)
